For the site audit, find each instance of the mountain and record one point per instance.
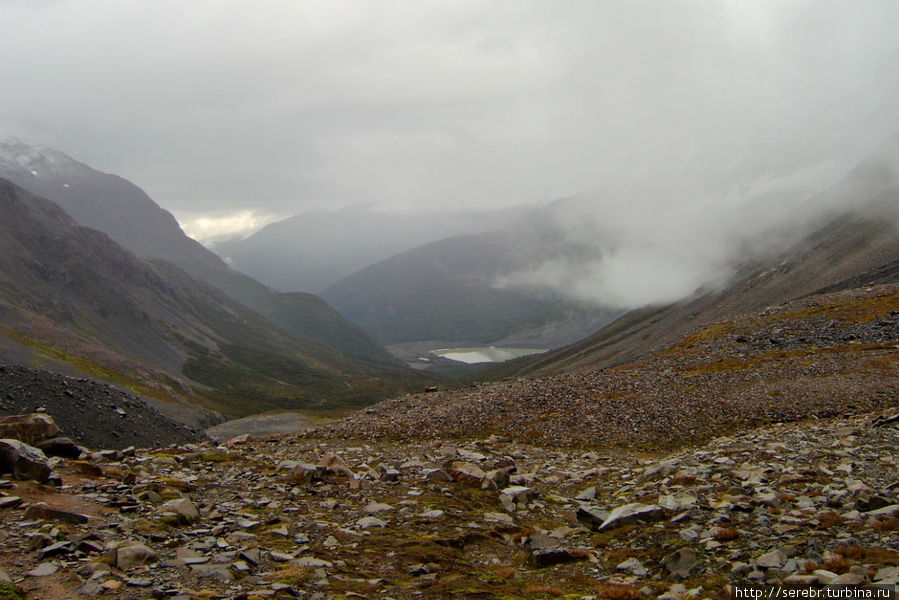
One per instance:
(311, 251)
(101, 201)
(72, 299)
(448, 290)
(132, 219)
(853, 248)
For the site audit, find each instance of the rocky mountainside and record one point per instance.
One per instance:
(95, 415)
(75, 301)
(132, 219)
(822, 355)
(850, 249)
(101, 201)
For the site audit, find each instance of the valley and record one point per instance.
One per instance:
(517, 300)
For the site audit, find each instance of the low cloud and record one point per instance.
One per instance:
(209, 230)
(654, 244)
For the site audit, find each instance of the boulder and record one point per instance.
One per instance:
(31, 428)
(23, 461)
(133, 555)
(591, 517)
(182, 507)
(60, 446)
(41, 510)
(632, 513)
(334, 464)
(466, 472)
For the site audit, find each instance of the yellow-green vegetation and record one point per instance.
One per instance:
(739, 364)
(91, 368)
(10, 591)
(859, 310)
(220, 456)
(294, 576)
(706, 335)
(171, 482)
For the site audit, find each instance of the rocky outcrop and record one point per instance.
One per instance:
(23, 461)
(31, 428)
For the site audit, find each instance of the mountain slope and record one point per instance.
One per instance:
(100, 201)
(855, 249)
(71, 297)
(447, 290)
(311, 251)
(126, 214)
(299, 313)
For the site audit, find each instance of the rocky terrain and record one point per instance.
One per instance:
(814, 502)
(762, 449)
(821, 355)
(95, 415)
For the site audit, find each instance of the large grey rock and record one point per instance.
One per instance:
(591, 516)
(632, 513)
(23, 461)
(41, 510)
(182, 507)
(133, 555)
(465, 472)
(30, 428)
(60, 446)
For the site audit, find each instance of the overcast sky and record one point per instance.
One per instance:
(246, 110)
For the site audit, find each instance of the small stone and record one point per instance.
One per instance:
(218, 573)
(368, 522)
(772, 560)
(554, 556)
(42, 570)
(57, 549)
(587, 495)
(591, 516)
(634, 566)
(89, 588)
(280, 556)
(311, 562)
(377, 507)
(10, 501)
(680, 563)
(493, 517)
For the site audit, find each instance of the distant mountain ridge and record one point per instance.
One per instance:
(311, 251)
(448, 290)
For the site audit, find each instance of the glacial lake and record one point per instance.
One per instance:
(485, 354)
